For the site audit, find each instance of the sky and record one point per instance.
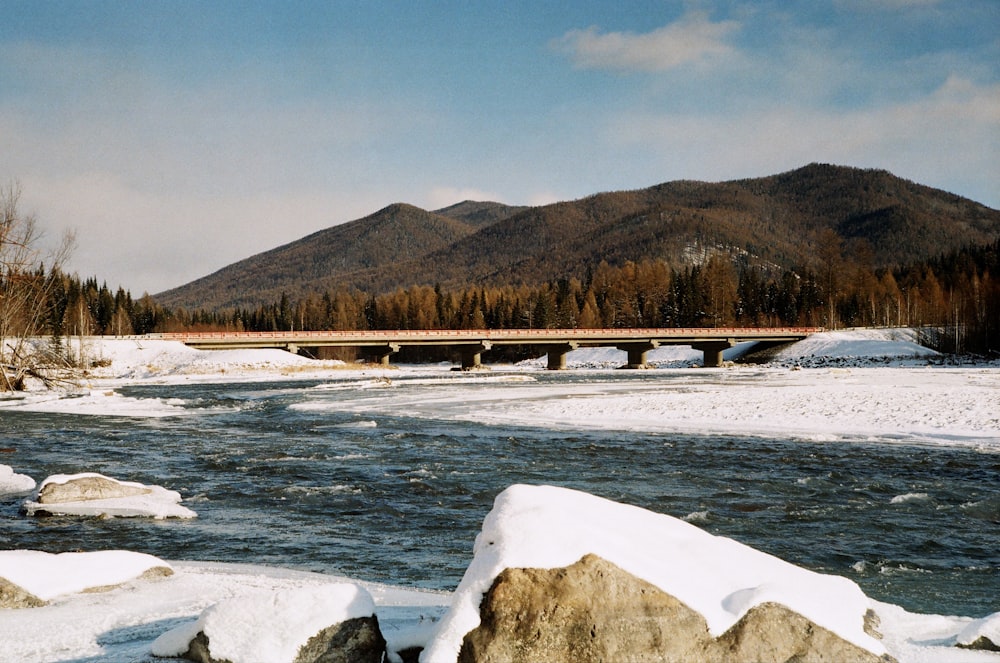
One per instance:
(175, 138)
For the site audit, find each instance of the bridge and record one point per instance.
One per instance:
(471, 343)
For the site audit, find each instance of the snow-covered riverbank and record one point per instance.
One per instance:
(855, 385)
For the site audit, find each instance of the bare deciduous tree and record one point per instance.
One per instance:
(24, 286)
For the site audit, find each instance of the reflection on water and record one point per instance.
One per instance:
(291, 475)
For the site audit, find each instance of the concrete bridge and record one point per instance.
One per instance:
(471, 343)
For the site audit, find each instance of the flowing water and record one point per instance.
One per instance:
(298, 474)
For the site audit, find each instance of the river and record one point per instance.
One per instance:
(337, 476)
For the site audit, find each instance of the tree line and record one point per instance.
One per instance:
(958, 294)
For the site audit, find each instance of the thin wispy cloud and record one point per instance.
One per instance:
(693, 38)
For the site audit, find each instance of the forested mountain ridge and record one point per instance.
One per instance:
(779, 222)
(375, 240)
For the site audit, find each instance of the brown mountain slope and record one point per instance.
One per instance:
(479, 214)
(296, 268)
(773, 220)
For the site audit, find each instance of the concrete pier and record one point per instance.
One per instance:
(380, 353)
(712, 351)
(637, 353)
(472, 355)
(557, 355)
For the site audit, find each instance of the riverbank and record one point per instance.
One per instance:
(854, 387)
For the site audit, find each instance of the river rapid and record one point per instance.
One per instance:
(340, 476)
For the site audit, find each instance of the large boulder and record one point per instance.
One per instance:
(772, 632)
(595, 611)
(333, 623)
(722, 580)
(589, 611)
(90, 494)
(85, 487)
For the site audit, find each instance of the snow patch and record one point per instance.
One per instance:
(271, 627)
(14, 484)
(48, 575)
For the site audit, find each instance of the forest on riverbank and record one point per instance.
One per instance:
(958, 294)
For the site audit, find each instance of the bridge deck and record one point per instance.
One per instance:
(594, 337)
(472, 342)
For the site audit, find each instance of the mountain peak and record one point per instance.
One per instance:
(772, 220)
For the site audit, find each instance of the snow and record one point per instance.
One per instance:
(550, 527)
(120, 625)
(269, 610)
(271, 629)
(988, 627)
(856, 384)
(48, 575)
(154, 502)
(918, 404)
(14, 484)
(94, 402)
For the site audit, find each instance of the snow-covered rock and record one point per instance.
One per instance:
(329, 622)
(547, 527)
(30, 578)
(91, 494)
(595, 611)
(14, 484)
(981, 634)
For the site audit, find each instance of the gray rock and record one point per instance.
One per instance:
(982, 643)
(357, 640)
(593, 611)
(15, 596)
(772, 632)
(589, 611)
(87, 488)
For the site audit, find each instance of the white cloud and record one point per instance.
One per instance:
(693, 38)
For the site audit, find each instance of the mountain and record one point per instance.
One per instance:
(778, 221)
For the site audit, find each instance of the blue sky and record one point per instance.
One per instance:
(177, 137)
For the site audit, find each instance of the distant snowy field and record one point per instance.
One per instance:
(835, 385)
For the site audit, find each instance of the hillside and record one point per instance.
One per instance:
(373, 241)
(775, 221)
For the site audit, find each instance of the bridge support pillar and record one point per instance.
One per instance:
(637, 353)
(557, 355)
(472, 355)
(291, 347)
(380, 353)
(712, 351)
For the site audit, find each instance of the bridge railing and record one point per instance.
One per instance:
(491, 334)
